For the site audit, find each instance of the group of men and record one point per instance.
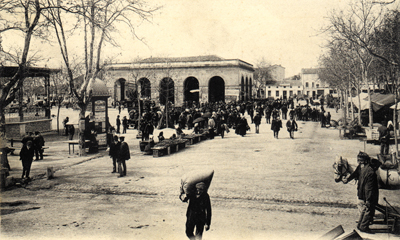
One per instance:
(119, 152)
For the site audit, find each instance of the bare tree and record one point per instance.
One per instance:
(262, 75)
(25, 18)
(98, 20)
(356, 27)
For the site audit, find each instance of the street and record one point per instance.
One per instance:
(263, 188)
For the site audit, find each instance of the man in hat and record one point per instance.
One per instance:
(38, 143)
(369, 193)
(198, 212)
(124, 155)
(26, 157)
(362, 160)
(115, 145)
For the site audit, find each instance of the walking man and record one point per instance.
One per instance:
(118, 123)
(257, 122)
(198, 212)
(291, 126)
(123, 156)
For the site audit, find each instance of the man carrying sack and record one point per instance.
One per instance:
(198, 212)
(195, 185)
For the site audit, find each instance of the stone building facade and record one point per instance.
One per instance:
(191, 79)
(313, 86)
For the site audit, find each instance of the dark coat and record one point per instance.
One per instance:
(38, 141)
(114, 149)
(199, 209)
(276, 125)
(368, 190)
(384, 134)
(242, 127)
(124, 153)
(257, 119)
(26, 156)
(291, 125)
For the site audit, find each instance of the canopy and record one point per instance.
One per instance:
(364, 101)
(378, 101)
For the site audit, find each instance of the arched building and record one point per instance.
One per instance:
(194, 79)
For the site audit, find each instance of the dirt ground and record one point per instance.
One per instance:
(263, 188)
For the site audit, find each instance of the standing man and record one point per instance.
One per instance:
(291, 126)
(211, 126)
(362, 160)
(38, 143)
(118, 123)
(369, 192)
(65, 121)
(384, 136)
(114, 151)
(26, 156)
(124, 124)
(198, 212)
(124, 155)
(257, 122)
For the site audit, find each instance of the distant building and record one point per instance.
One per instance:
(187, 79)
(279, 87)
(312, 85)
(284, 89)
(277, 73)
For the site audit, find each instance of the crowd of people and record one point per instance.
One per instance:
(217, 118)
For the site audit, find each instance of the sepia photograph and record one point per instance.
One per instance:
(199, 119)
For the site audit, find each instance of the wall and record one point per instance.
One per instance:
(17, 130)
(231, 76)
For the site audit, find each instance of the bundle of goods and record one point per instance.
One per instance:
(190, 179)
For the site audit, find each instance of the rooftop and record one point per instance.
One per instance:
(182, 59)
(310, 70)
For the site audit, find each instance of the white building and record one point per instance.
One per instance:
(312, 85)
(284, 89)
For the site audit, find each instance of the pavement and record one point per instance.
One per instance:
(57, 154)
(262, 186)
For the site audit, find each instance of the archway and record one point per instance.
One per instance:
(191, 90)
(119, 90)
(167, 91)
(216, 89)
(144, 88)
(242, 89)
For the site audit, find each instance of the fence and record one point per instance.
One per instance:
(29, 114)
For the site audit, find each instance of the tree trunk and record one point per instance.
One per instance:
(3, 152)
(395, 119)
(359, 108)
(82, 128)
(58, 118)
(346, 108)
(371, 116)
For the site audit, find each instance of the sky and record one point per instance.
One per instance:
(285, 32)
